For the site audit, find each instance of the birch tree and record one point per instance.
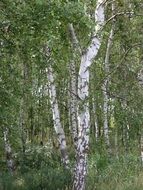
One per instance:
(140, 80)
(8, 151)
(73, 83)
(106, 82)
(94, 111)
(83, 93)
(55, 110)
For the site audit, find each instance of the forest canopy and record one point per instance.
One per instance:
(71, 94)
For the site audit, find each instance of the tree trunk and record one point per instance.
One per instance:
(105, 85)
(141, 148)
(93, 112)
(22, 126)
(56, 117)
(8, 152)
(140, 80)
(83, 106)
(73, 83)
(73, 102)
(55, 108)
(95, 119)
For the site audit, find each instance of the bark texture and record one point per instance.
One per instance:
(95, 119)
(56, 117)
(73, 83)
(73, 101)
(55, 110)
(106, 82)
(83, 93)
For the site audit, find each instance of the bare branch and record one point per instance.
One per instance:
(119, 14)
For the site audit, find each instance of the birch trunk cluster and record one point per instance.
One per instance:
(80, 132)
(79, 98)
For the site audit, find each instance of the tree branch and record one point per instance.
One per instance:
(74, 39)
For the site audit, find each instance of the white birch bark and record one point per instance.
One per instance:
(95, 119)
(56, 117)
(22, 125)
(55, 109)
(83, 92)
(93, 113)
(74, 40)
(141, 146)
(23, 108)
(105, 84)
(69, 108)
(8, 152)
(73, 83)
(140, 80)
(73, 101)
(125, 127)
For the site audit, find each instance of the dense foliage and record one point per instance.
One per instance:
(27, 134)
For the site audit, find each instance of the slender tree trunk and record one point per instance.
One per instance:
(105, 84)
(83, 106)
(95, 119)
(56, 117)
(8, 152)
(23, 115)
(73, 83)
(141, 148)
(140, 80)
(116, 143)
(22, 126)
(73, 102)
(125, 127)
(125, 137)
(93, 113)
(55, 109)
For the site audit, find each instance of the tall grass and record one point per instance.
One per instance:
(124, 173)
(38, 171)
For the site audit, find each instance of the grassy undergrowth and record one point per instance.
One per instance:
(124, 173)
(38, 171)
